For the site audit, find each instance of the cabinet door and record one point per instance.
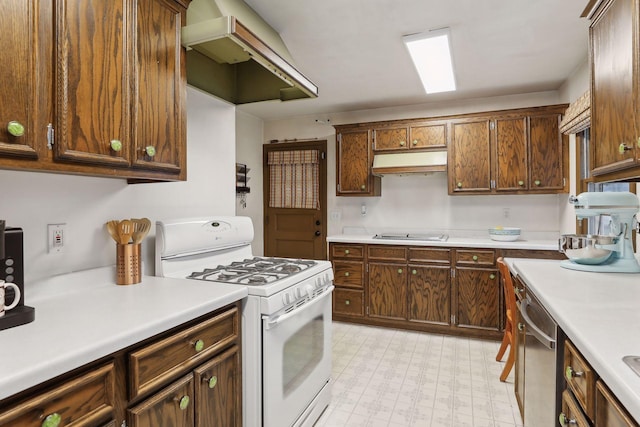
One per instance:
(388, 291)
(391, 138)
(546, 153)
(433, 135)
(430, 294)
(478, 299)
(511, 154)
(613, 85)
(171, 406)
(158, 102)
(469, 153)
(218, 391)
(353, 163)
(92, 86)
(19, 77)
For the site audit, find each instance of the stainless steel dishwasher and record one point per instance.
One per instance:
(541, 362)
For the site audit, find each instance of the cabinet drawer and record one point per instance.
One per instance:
(482, 257)
(159, 362)
(348, 302)
(609, 411)
(390, 253)
(348, 273)
(347, 251)
(430, 255)
(86, 400)
(571, 413)
(171, 406)
(580, 379)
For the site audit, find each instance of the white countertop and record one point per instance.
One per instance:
(460, 242)
(599, 312)
(83, 316)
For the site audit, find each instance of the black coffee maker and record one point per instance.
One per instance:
(12, 270)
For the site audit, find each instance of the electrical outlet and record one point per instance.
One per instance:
(56, 238)
(505, 212)
(335, 216)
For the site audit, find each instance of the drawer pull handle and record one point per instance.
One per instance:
(150, 150)
(492, 276)
(116, 145)
(362, 187)
(564, 420)
(520, 183)
(199, 345)
(520, 326)
(184, 402)
(346, 252)
(402, 143)
(15, 128)
(570, 373)
(518, 290)
(475, 257)
(52, 420)
(459, 184)
(399, 271)
(622, 148)
(537, 182)
(414, 272)
(211, 382)
(346, 273)
(347, 302)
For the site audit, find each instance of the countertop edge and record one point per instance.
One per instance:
(547, 245)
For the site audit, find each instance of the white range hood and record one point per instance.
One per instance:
(421, 162)
(234, 54)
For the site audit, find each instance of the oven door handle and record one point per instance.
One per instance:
(273, 321)
(545, 339)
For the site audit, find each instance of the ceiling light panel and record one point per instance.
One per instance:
(431, 55)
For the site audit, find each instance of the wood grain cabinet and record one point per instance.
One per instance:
(354, 158)
(118, 113)
(512, 152)
(429, 286)
(615, 128)
(417, 135)
(349, 275)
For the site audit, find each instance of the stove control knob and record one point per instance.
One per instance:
(299, 292)
(286, 298)
(310, 291)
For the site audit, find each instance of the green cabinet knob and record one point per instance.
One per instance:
(622, 148)
(459, 184)
(415, 141)
(414, 272)
(52, 420)
(347, 302)
(346, 273)
(199, 345)
(564, 420)
(150, 150)
(569, 373)
(536, 182)
(346, 252)
(362, 187)
(116, 144)
(475, 257)
(211, 382)
(402, 143)
(520, 326)
(399, 271)
(15, 128)
(492, 276)
(184, 402)
(521, 183)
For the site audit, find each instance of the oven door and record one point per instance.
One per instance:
(296, 362)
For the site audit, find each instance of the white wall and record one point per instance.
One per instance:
(32, 200)
(421, 202)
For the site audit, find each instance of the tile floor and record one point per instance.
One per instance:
(396, 378)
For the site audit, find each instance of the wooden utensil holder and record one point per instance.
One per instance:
(128, 264)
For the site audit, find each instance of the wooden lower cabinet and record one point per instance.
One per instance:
(477, 299)
(430, 294)
(388, 291)
(194, 378)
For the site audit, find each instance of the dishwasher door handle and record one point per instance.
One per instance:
(545, 339)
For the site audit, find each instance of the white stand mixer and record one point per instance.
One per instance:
(608, 253)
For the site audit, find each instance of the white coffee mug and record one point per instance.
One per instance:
(16, 298)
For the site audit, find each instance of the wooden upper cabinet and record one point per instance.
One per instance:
(19, 76)
(511, 154)
(469, 161)
(428, 135)
(159, 103)
(391, 138)
(547, 154)
(614, 91)
(92, 88)
(406, 136)
(354, 158)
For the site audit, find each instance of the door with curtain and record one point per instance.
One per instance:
(295, 199)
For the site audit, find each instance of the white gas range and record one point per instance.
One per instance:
(286, 319)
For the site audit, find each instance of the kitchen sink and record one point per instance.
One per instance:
(633, 362)
(430, 237)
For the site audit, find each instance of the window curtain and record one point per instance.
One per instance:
(578, 115)
(294, 179)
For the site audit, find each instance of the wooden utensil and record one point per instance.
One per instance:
(112, 228)
(140, 229)
(125, 229)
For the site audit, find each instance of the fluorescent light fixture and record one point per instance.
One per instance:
(431, 55)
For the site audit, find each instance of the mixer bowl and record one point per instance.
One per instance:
(581, 249)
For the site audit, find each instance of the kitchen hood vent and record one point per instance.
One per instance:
(235, 55)
(421, 162)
